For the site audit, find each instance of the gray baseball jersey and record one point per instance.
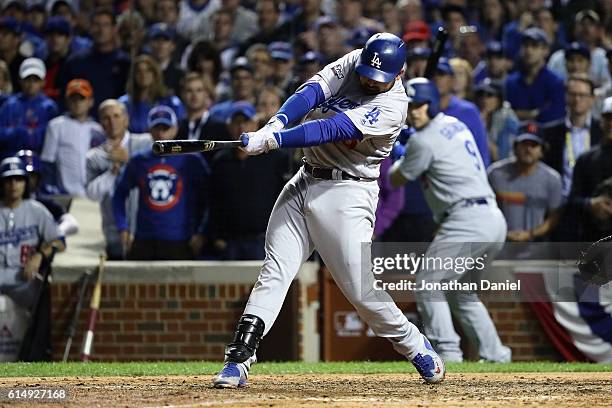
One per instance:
(22, 230)
(444, 156)
(524, 200)
(379, 117)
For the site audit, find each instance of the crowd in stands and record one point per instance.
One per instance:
(86, 86)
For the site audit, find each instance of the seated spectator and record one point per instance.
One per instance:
(6, 86)
(416, 35)
(242, 23)
(24, 116)
(308, 65)
(68, 225)
(496, 64)
(576, 135)
(465, 111)
(282, 64)
(172, 211)
(162, 43)
(416, 61)
(10, 41)
(67, 10)
(330, 41)
(31, 238)
(591, 194)
(500, 121)
(105, 66)
(470, 47)
(167, 12)
(493, 16)
(68, 139)
(350, 17)
(242, 88)
(269, 101)
(131, 32)
(259, 58)
(588, 31)
(528, 191)
(534, 92)
(105, 162)
(238, 180)
(145, 90)
(389, 16)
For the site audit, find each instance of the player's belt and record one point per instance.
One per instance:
(468, 202)
(328, 174)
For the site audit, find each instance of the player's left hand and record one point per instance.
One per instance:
(32, 266)
(260, 142)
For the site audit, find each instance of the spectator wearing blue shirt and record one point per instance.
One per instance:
(68, 10)
(171, 217)
(24, 116)
(10, 40)
(534, 91)
(146, 90)
(465, 111)
(104, 65)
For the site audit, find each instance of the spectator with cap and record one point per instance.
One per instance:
(500, 120)
(587, 30)
(465, 111)
(591, 194)
(282, 64)
(238, 180)
(162, 44)
(103, 165)
(68, 10)
(58, 35)
(359, 37)
(31, 237)
(416, 61)
(576, 134)
(577, 60)
(172, 198)
(416, 34)
(242, 88)
(105, 66)
(146, 89)
(528, 191)
(24, 116)
(32, 45)
(10, 41)
(495, 66)
(68, 139)
(308, 65)
(534, 91)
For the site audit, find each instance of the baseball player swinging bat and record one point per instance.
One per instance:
(170, 147)
(94, 306)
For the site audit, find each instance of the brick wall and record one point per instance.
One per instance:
(153, 321)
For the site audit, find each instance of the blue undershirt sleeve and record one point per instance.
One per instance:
(318, 132)
(300, 103)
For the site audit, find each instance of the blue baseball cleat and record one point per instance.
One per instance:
(233, 375)
(429, 364)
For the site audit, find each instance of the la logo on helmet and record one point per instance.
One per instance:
(375, 61)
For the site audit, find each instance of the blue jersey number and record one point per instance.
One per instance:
(469, 146)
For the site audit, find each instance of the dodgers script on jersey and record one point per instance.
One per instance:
(379, 117)
(445, 157)
(22, 229)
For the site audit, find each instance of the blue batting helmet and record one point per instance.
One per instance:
(382, 58)
(422, 90)
(11, 167)
(30, 160)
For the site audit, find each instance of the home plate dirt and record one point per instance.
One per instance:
(329, 390)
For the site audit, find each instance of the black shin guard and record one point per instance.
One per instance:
(246, 339)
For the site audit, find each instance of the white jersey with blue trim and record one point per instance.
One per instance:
(379, 117)
(444, 156)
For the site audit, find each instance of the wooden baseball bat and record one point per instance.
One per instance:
(436, 52)
(171, 147)
(83, 284)
(94, 306)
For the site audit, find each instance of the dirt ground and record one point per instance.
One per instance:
(310, 390)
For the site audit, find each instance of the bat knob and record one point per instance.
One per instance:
(158, 148)
(244, 139)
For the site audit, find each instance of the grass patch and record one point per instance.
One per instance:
(161, 368)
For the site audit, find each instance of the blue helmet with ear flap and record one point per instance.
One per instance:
(422, 90)
(382, 58)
